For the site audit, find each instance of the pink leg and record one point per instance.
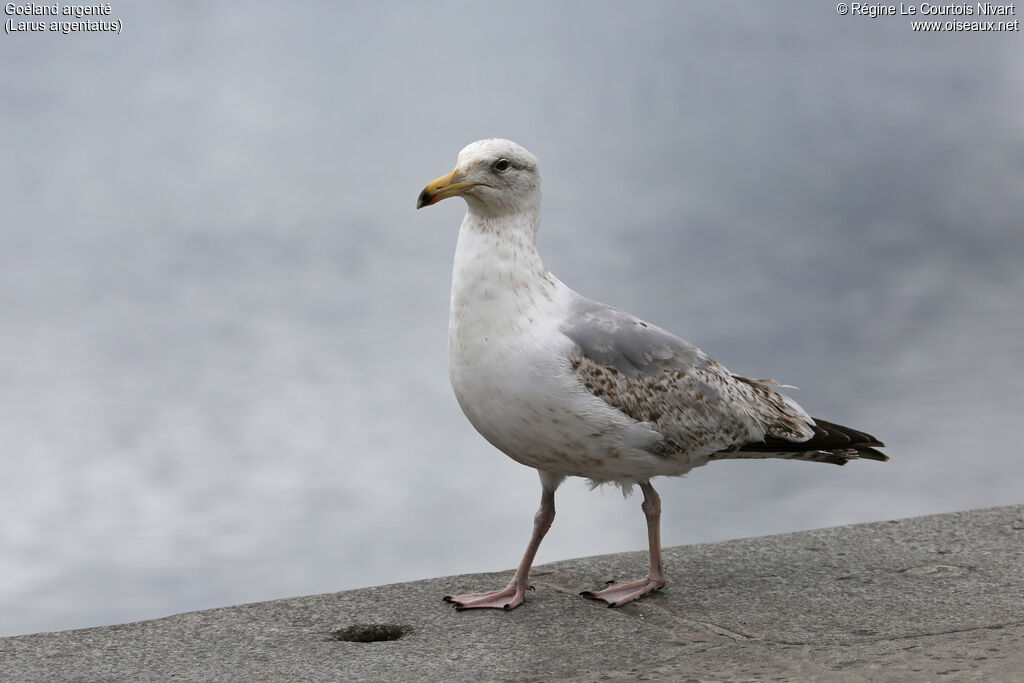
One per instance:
(618, 594)
(511, 596)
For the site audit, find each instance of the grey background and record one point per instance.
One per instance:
(222, 322)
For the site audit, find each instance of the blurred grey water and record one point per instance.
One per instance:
(222, 322)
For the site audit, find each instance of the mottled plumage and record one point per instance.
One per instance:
(654, 377)
(573, 387)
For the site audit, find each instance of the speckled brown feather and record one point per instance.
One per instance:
(698, 406)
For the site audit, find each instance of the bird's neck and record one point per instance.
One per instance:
(498, 274)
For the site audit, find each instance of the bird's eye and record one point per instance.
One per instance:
(501, 165)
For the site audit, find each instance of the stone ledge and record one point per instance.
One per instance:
(910, 599)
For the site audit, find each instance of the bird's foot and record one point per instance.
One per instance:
(618, 594)
(509, 597)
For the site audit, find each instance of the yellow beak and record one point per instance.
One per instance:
(442, 188)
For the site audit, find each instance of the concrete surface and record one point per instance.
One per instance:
(931, 598)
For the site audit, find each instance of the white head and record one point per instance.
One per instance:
(495, 177)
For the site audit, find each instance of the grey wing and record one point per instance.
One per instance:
(655, 377)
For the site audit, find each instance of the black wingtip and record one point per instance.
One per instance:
(872, 454)
(828, 436)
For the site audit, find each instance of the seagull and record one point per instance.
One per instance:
(572, 387)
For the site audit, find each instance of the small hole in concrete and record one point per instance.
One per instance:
(371, 633)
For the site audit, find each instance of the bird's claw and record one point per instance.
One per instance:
(507, 598)
(618, 594)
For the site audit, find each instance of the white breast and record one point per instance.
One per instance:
(509, 366)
